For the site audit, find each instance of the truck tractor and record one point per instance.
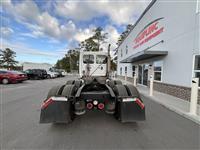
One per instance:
(94, 90)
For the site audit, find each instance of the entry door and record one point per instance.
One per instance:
(140, 74)
(145, 74)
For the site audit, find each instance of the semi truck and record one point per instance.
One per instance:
(94, 90)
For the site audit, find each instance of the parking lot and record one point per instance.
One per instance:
(20, 128)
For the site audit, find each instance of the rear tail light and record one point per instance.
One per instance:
(101, 106)
(47, 103)
(89, 105)
(139, 102)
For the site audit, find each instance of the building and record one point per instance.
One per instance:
(30, 65)
(164, 44)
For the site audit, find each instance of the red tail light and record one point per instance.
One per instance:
(101, 106)
(89, 105)
(139, 102)
(46, 103)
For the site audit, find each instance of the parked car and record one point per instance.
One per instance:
(36, 74)
(44, 73)
(12, 77)
(58, 71)
(51, 74)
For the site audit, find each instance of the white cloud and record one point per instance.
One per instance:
(75, 9)
(68, 30)
(119, 12)
(21, 48)
(6, 32)
(41, 24)
(112, 38)
(26, 11)
(83, 34)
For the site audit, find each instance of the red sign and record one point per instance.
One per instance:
(149, 32)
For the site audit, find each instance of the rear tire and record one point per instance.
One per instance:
(132, 91)
(55, 91)
(69, 91)
(5, 81)
(69, 82)
(121, 91)
(113, 83)
(118, 82)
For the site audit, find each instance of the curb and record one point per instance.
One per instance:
(178, 111)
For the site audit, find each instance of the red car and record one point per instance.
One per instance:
(12, 77)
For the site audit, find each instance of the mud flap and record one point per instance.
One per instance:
(56, 112)
(131, 111)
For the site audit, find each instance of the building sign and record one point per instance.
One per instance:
(149, 32)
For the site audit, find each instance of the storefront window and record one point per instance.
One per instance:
(133, 70)
(158, 70)
(197, 67)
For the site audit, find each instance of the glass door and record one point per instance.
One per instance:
(140, 74)
(143, 74)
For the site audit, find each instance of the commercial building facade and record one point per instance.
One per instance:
(164, 44)
(30, 65)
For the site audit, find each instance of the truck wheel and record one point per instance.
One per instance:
(69, 82)
(5, 81)
(112, 83)
(77, 83)
(55, 91)
(118, 82)
(132, 91)
(121, 91)
(69, 91)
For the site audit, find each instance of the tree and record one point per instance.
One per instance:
(70, 61)
(1, 59)
(89, 45)
(113, 65)
(7, 58)
(100, 37)
(94, 42)
(123, 35)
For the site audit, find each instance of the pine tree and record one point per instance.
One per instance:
(7, 58)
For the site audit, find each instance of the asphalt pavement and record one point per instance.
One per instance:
(20, 128)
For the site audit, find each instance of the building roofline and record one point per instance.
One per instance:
(138, 20)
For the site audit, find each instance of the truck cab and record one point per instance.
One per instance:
(93, 64)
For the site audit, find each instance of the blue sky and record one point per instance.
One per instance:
(44, 30)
